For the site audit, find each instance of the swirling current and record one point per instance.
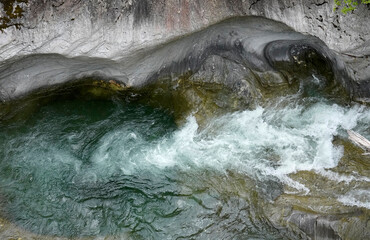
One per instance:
(79, 167)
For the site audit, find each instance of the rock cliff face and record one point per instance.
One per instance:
(259, 54)
(115, 28)
(128, 30)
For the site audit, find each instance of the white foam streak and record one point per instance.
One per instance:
(261, 143)
(359, 198)
(342, 178)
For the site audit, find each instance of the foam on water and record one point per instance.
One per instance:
(358, 197)
(123, 162)
(264, 143)
(342, 178)
(260, 142)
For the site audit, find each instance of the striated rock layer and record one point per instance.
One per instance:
(113, 28)
(261, 54)
(126, 31)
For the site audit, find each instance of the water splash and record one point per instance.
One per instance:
(112, 167)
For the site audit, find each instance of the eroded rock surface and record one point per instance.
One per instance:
(105, 29)
(266, 52)
(129, 31)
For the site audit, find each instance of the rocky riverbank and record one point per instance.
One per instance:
(128, 30)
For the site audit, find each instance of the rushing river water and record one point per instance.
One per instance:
(108, 167)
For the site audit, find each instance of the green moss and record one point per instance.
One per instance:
(13, 11)
(348, 5)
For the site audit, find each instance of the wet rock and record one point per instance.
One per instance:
(316, 227)
(244, 54)
(349, 223)
(131, 30)
(122, 29)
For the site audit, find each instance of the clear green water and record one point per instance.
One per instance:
(84, 168)
(107, 167)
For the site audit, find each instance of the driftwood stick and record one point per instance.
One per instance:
(359, 140)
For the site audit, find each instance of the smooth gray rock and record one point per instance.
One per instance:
(128, 31)
(255, 45)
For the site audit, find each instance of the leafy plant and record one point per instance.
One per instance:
(348, 5)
